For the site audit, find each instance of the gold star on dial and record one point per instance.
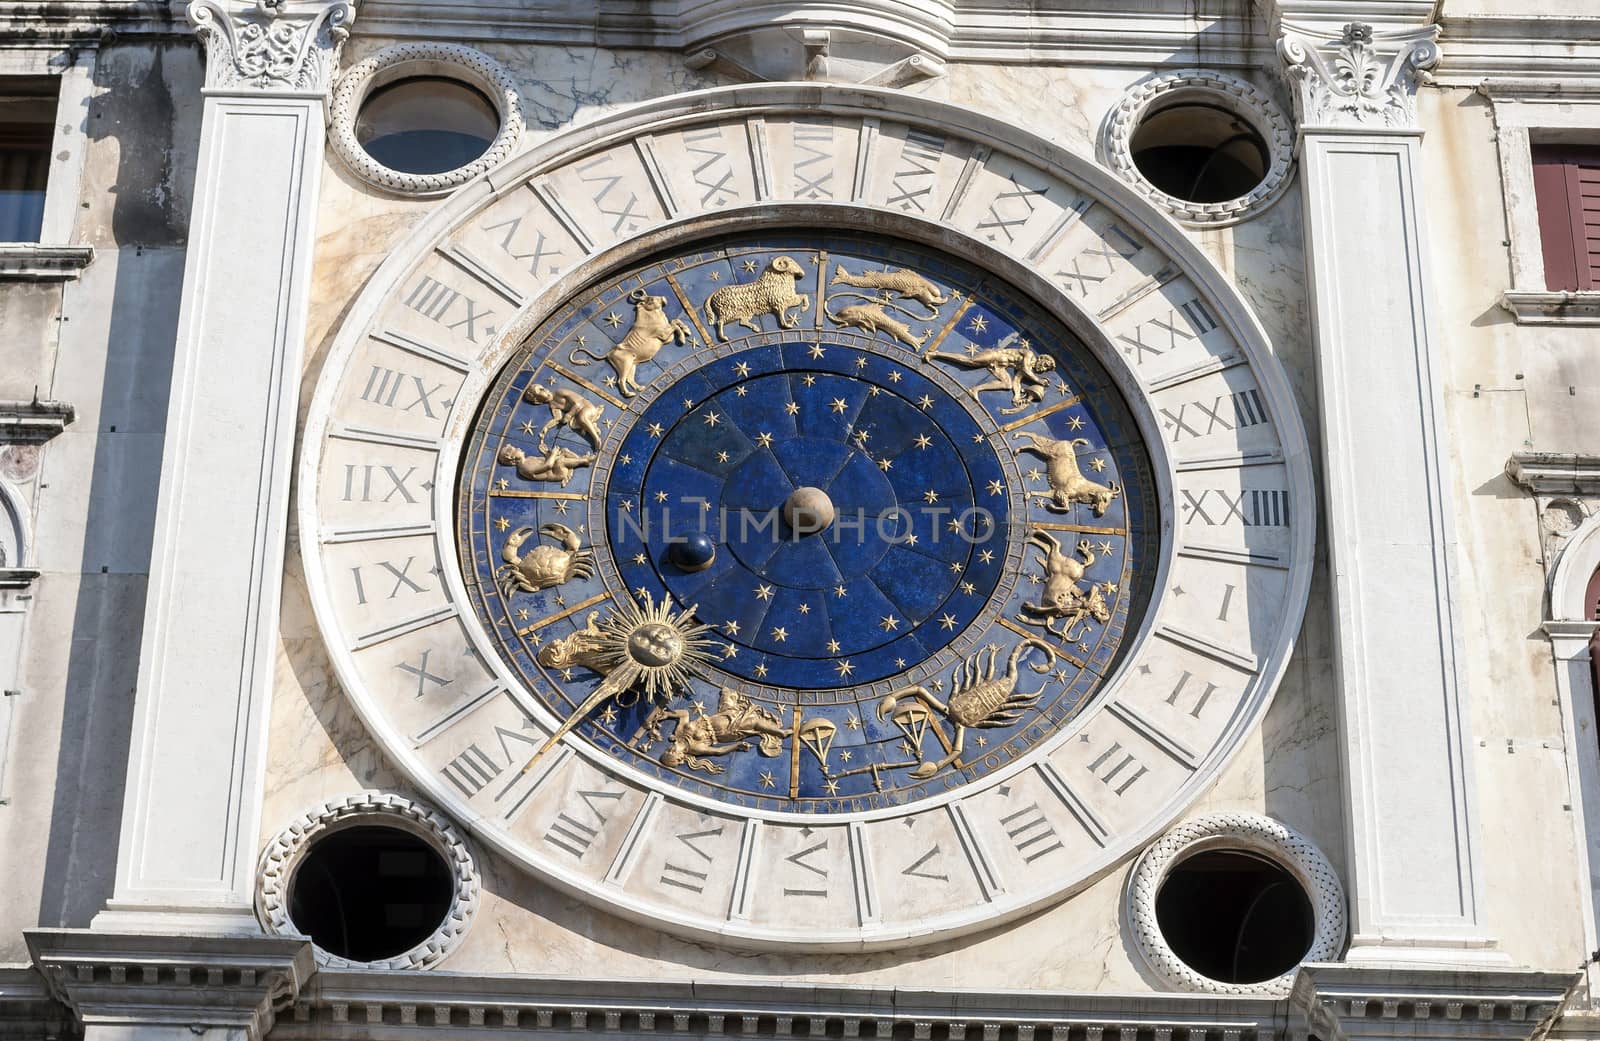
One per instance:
(742, 369)
(764, 440)
(833, 646)
(767, 780)
(750, 266)
(609, 715)
(722, 457)
(838, 590)
(502, 524)
(712, 418)
(861, 363)
(780, 634)
(656, 429)
(930, 497)
(926, 401)
(732, 628)
(1097, 465)
(816, 350)
(504, 484)
(844, 755)
(805, 608)
(890, 624)
(661, 496)
(792, 409)
(1075, 423)
(613, 319)
(809, 380)
(1111, 587)
(740, 392)
(894, 377)
(968, 588)
(838, 405)
(987, 556)
(886, 464)
(1105, 545)
(763, 593)
(923, 441)
(640, 558)
(527, 426)
(522, 614)
(832, 786)
(947, 621)
(979, 323)
(845, 668)
(852, 722)
(761, 671)
(995, 488)
(730, 651)
(561, 506)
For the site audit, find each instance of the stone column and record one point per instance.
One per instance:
(1414, 874)
(1571, 645)
(196, 765)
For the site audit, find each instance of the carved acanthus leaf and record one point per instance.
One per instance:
(1361, 78)
(272, 45)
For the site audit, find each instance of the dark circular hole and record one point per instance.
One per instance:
(426, 124)
(370, 892)
(1234, 916)
(1200, 153)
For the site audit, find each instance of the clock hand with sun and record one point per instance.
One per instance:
(652, 647)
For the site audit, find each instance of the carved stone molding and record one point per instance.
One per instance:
(233, 982)
(1203, 86)
(33, 422)
(1248, 831)
(401, 61)
(1361, 79)
(1353, 1002)
(273, 46)
(283, 856)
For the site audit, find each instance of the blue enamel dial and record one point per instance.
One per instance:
(913, 510)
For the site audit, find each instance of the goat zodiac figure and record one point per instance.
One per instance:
(1067, 483)
(1063, 600)
(981, 700)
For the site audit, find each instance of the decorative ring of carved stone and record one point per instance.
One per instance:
(1244, 100)
(1277, 842)
(403, 61)
(284, 854)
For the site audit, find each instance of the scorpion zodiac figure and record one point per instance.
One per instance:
(980, 700)
(1063, 600)
(542, 566)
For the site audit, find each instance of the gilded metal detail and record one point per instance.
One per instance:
(771, 293)
(1067, 483)
(651, 331)
(543, 566)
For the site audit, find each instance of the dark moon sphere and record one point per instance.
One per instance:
(694, 553)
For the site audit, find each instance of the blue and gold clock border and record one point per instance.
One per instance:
(825, 741)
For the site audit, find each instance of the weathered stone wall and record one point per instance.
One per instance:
(102, 343)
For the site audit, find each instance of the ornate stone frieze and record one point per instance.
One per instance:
(1360, 79)
(234, 982)
(272, 45)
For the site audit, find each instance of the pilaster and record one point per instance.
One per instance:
(1414, 873)
(196, 765)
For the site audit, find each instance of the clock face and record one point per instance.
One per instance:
(797, 525)
(914, 513)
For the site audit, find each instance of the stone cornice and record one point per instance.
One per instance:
(272, 46)
(27, 1007)
(1555, 473)
(33, 421)
(1358, 79)
(1345, 1002)
(418, 1004)
(234, 982)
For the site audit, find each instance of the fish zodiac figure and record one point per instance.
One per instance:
(771, 293)
(651, 331)
(1063, 600)
(908, 285)
(980, 700)
(1020, 370)
(568, 408)
(871, 318)
(1067, 483)
(543, 566)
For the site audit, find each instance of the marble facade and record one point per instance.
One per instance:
(1467, 850)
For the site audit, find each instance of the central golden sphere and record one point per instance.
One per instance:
(808, 510)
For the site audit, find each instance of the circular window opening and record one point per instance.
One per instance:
(368, 893)
(1235, 917)
(426, 125)
(1200, 153)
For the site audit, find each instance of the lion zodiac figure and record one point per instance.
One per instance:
(771, 293)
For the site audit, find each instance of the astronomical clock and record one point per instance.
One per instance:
(798, 526)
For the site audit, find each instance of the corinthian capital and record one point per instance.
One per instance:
(1360, 78)
(273, 46)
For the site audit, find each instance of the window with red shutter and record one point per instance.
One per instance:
(1566, 186)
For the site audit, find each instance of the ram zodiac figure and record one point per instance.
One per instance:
(771, 293)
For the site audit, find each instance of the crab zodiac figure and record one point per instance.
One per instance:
(771, 293)
(568, 408)
(1067, 483)
(542, 566)
(651, 331)
(1020, 370)
(981, 700)
(1063, 600)
(698, 736)
(557, 464)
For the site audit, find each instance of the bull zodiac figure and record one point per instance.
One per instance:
(981, 700)
(1063, 600)
(651, 331)
(1021, 371)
